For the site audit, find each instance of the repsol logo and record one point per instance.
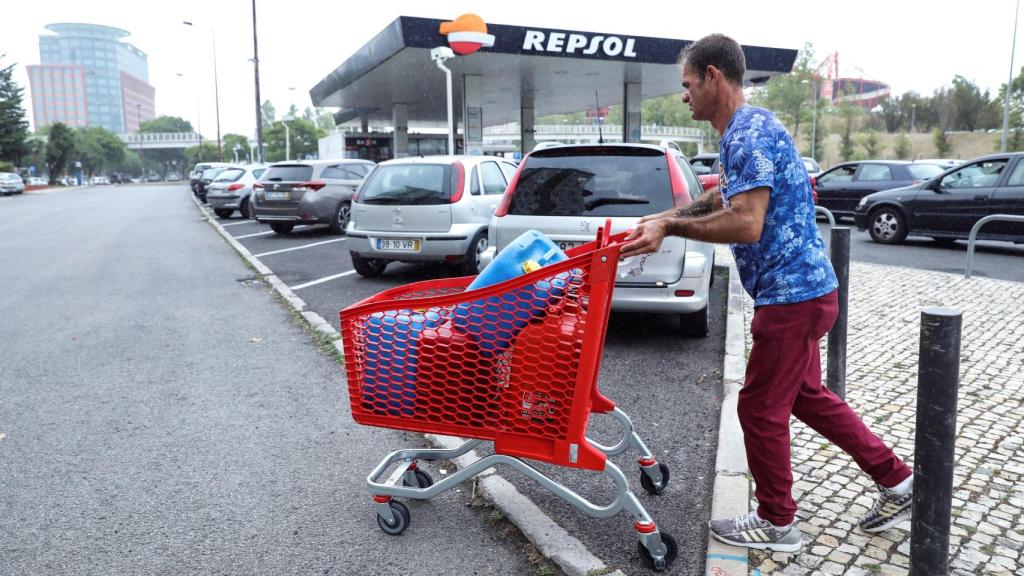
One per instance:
(562, 43)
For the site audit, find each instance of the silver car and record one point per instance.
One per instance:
(11, 183)
(567, 192)
(231, 190)
(430, 209)
(308, 192)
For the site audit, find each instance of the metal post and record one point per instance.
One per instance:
(1009, 83)
(142, 158)
(287, 142)
(256, 66)
(839, 244)
(216, 93)
(814, 121)
(937, 382)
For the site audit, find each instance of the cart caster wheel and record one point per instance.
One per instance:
(423, 480)
(649, 485)
(401, 519)
(670, 553)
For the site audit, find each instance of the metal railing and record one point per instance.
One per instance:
(513, 130)
(827, 213)
(974, 236)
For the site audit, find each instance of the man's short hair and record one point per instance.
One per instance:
(716, 50)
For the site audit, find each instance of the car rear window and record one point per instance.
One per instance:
(289, 173)
(924, 171)
(593, 182)
(407, 184)
(703, 165)
(230, 175)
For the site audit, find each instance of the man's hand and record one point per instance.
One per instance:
(645, 238)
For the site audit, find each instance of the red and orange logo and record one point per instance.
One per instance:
(467, 34)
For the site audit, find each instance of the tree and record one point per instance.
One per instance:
(848, 113)
(233, 141)
(166, 124)
(99, 150)
(13, 125)
(305, 138)
(323, 118)
(892, 113)
(193, 157)
(971, 108)
(902, 146)
(269, 114)
(161, 160)
(942, 145)
(790, 95)
(870, 143)
(59, 148)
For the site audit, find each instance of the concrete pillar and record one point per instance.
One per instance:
(472, 115)
(526, 123)
(631, 112)
(365, 124)
(400, 137)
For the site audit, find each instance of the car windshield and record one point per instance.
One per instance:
(230, 175)
(208, 174)
(924, 171)
(811, 165)
(593, 182)
(702, 165)
(289, 173)
(406, 184)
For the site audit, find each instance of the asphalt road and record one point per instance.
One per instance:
(161, 413)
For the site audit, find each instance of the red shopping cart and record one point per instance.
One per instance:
(514, 364)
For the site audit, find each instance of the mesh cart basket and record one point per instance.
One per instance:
(515, 364)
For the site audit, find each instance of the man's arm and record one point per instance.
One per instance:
(703, 205)
(740, 223)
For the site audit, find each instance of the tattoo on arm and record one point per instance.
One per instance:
(702, 206)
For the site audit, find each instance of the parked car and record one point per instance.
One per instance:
(11, 183)
(232, 190)
(842, 187)
(99, 181)
(429, 209)
(208, 176)
(568, 192)
(947, 206)
(945, 163)
(197, 173)
(705, 166)
(813, 168)
(308, 192)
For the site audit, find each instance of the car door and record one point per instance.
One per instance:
(952, 203)
(833, 186)
(1008, 199)
(492, 185)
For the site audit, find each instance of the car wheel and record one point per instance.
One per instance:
(282, 228)
(341, 216)
(471, 264)
(223, 213)
(887, 226)
(368, 267)
(695, 324)
(246, 209)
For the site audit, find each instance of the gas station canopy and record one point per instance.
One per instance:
(549, 71)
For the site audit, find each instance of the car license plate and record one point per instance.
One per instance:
(398, 244)
(566, 244)
(278, 195)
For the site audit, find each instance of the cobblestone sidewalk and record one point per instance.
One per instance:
(987, 534)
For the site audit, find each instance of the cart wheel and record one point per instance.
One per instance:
(670, 553)
(648, 484)
(401, 519)
(423, 480)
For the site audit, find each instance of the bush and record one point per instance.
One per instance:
(6, 166)
(942, 145)
(902, 147)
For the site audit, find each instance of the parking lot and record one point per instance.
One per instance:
(670, 386)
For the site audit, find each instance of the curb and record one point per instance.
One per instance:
(731, 494)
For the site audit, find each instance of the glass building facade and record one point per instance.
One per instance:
(88, 77)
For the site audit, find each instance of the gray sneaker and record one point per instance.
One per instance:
(750, 531)
(889, 510)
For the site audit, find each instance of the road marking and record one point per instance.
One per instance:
(238, 223)
(256, 234)
(321, 281)
(299, 247)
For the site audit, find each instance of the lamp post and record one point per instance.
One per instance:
(216, 87)
(440, 55)
(237, 148)
(287, 136)
(913, 115)
(199, 126)
(1009, 83)
(256, 66)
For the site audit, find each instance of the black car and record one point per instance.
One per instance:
(208, 175)
(197, 174)
(842, 187)
(947, 206)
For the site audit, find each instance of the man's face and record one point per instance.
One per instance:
(696, 93)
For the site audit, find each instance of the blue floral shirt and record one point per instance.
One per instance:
(788, 264)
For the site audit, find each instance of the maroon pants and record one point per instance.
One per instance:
(783, 378)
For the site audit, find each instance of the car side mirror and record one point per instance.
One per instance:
(933, 185)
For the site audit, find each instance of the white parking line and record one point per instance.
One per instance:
(239, 223)
(321, 281)
(256, 234)
(299, 247)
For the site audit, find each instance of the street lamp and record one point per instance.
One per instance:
(440, 55)
(237, 148)
(256, 66)
(287, 136)
(216, 87)
(1009, 83)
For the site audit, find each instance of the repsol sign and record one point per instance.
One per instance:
(574, 43)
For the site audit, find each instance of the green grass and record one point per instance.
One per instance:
(873, 568)
(496, 515)
(600, 571)
(988, 549)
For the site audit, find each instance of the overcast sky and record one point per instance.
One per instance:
(912, 45)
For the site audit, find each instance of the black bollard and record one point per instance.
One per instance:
(938, 376)
(839, 245)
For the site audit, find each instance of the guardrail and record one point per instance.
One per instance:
(827, 213)
(974, 236)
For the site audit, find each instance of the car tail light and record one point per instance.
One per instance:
(258, 186)
(684, 293)
(680, 195)
(459, 181)
(313, 185)
(814, 181)
(236, 186)
(506, 200)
